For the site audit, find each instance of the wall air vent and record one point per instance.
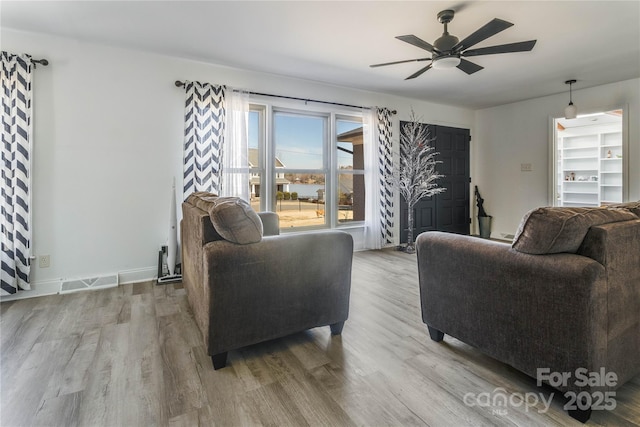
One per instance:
(103, 282)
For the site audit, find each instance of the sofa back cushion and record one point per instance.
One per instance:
(233, 218)
(632, 206)
(552, 230)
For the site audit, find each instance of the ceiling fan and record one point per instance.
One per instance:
(448, 52)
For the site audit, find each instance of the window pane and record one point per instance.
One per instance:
(255, 177)
(350, 197)
(299, 141)
(255, 188)
(349, 144)
(300, 200)
(350, 185)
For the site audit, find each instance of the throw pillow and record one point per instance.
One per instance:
(552, 230)
(235, 220)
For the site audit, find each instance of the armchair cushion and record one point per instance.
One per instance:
(233, 218)
(552, 230)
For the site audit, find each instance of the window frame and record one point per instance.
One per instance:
(267, 155)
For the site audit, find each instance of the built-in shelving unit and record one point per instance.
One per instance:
(589, 166)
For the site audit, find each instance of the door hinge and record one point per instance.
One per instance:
(469, 220)
(469, 179)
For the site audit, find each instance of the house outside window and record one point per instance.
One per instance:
(307, 166)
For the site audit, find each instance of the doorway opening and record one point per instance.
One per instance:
(589, 159)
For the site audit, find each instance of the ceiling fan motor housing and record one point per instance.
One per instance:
(446, 42)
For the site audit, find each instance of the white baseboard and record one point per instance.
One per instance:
(38, 289)
(137, 275)
(52, 287)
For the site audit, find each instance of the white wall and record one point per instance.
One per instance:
(108, 127)
(509, 135)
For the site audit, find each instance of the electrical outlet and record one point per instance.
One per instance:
(44, 261)
(526, 167)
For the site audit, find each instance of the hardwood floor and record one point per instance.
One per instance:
(133, 356)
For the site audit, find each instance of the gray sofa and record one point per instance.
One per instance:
(565, 295)
(247, 284)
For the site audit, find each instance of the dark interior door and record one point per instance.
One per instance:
(448, 211)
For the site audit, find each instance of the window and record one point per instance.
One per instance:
(306, 166)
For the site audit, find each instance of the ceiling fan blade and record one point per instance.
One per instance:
(416, 41)
(419, 72)
(400, 62)
(468, 66)
(490, 29)
(503, 48)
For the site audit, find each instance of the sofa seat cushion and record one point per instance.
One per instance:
(552, 230)
(232, 217)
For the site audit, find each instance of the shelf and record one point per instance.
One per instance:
(591, 147)
(566, 203)
(588, 151)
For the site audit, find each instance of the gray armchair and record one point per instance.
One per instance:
(243, 294)
(556, 311)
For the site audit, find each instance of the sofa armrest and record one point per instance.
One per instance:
(530, 311)
(270, 223)
(280, 285)
(617, 247)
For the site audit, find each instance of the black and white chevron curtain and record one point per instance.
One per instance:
(15, 221)
(203, 136)
(385, 168)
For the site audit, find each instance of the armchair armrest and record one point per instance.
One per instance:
(270, 223)
(519, 308)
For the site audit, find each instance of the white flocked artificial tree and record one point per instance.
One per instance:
(416, 177)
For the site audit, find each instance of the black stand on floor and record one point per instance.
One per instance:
(164, 278)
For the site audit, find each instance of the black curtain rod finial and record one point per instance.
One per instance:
(178, 83)
(39, 61)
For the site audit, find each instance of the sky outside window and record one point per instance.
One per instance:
(299, 140)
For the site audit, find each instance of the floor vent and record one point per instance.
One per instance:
(88, 284)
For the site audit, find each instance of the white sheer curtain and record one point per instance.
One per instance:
(373, 222)
(235, 148)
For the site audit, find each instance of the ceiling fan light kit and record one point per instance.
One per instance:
(570, 111)
(448, 52)
(444, 62)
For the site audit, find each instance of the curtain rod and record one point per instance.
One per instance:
(178, 83)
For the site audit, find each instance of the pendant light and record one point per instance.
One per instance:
(570, 111)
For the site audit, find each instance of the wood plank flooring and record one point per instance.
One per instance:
(133, 356)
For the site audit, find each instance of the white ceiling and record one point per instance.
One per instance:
(595, 42)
